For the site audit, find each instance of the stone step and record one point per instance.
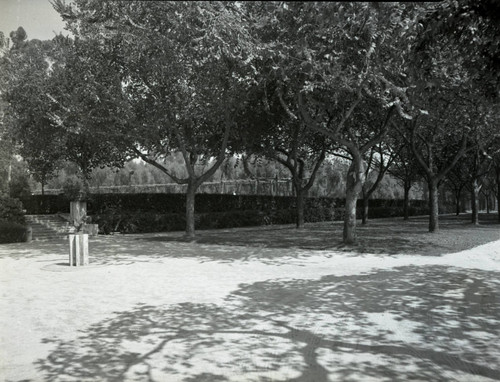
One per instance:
(46, 227)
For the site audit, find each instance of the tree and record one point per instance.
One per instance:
(6, 150)
(271, 132)
(465, 33)
(36, 87)
(83, 106)
(378, 162)
(488, 189)
(178, 71)
(405, 169)
(478, 166)
(493, 154)
(457, 179)
(19, 186)
(438, 140)
(329, 60)
(451, 70)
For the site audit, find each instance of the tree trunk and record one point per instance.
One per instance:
(364, 212)
(353, 188)
(190, 198)
(349, 235)
(457, 202)
(406, 202)
(498, 202)
(475, 201)
(433, 206)
(299, 196)
(497, 173)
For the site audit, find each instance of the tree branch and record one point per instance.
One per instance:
(146, 159)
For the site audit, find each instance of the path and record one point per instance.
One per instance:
(154, 310)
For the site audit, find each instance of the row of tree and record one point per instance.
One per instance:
(410, 88)
(234, 176)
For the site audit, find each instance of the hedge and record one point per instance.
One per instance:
(142, 222)
(204, 203)
(134, 213)
(45, 204)
(11, 210)
(12, 232)
(171, 203)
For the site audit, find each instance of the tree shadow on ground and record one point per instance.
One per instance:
(274, 244)
(410, 323)
(381, 236)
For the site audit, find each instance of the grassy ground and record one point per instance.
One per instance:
(384, 236)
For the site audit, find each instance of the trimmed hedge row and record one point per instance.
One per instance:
(45, 204)
(12, 232)
(171, 203)
(204, 203)
(142, 222)
(140, 213)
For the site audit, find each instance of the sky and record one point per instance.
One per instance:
(37, 17)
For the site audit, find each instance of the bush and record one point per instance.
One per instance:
(19, 187)
(139, 222)
(11, 210)
(12, 232)
(230, 219)
(143, 222)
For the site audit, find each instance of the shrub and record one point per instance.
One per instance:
(230, 219)
(19, 187)
(138, 222)
(12, 232)
(11, 210)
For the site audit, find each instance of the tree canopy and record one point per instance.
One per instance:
(292, 81)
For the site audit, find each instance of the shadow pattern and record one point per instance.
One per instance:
(409, 323)
(381, 236)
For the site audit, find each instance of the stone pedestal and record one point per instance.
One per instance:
(29, 234)
(79, 249)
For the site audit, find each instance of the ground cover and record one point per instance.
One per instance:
(154, 308)
(384, 236)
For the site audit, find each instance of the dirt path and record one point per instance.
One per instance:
(164, 310)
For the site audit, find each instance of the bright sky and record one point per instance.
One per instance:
(37, 17)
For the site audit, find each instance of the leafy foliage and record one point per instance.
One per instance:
(11, 210)
(11, 232)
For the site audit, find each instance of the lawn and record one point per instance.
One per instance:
(258, 304)
(384, 236)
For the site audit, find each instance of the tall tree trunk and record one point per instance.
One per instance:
(300, 206)
(353, 188)
(406, 202)
(497, 173)
(433, 205)
(364, 212)
(43, 187)
(475, 201)
(487, 200)
(457, 202)
(190, 199)
(498, 202)
(349, 233)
